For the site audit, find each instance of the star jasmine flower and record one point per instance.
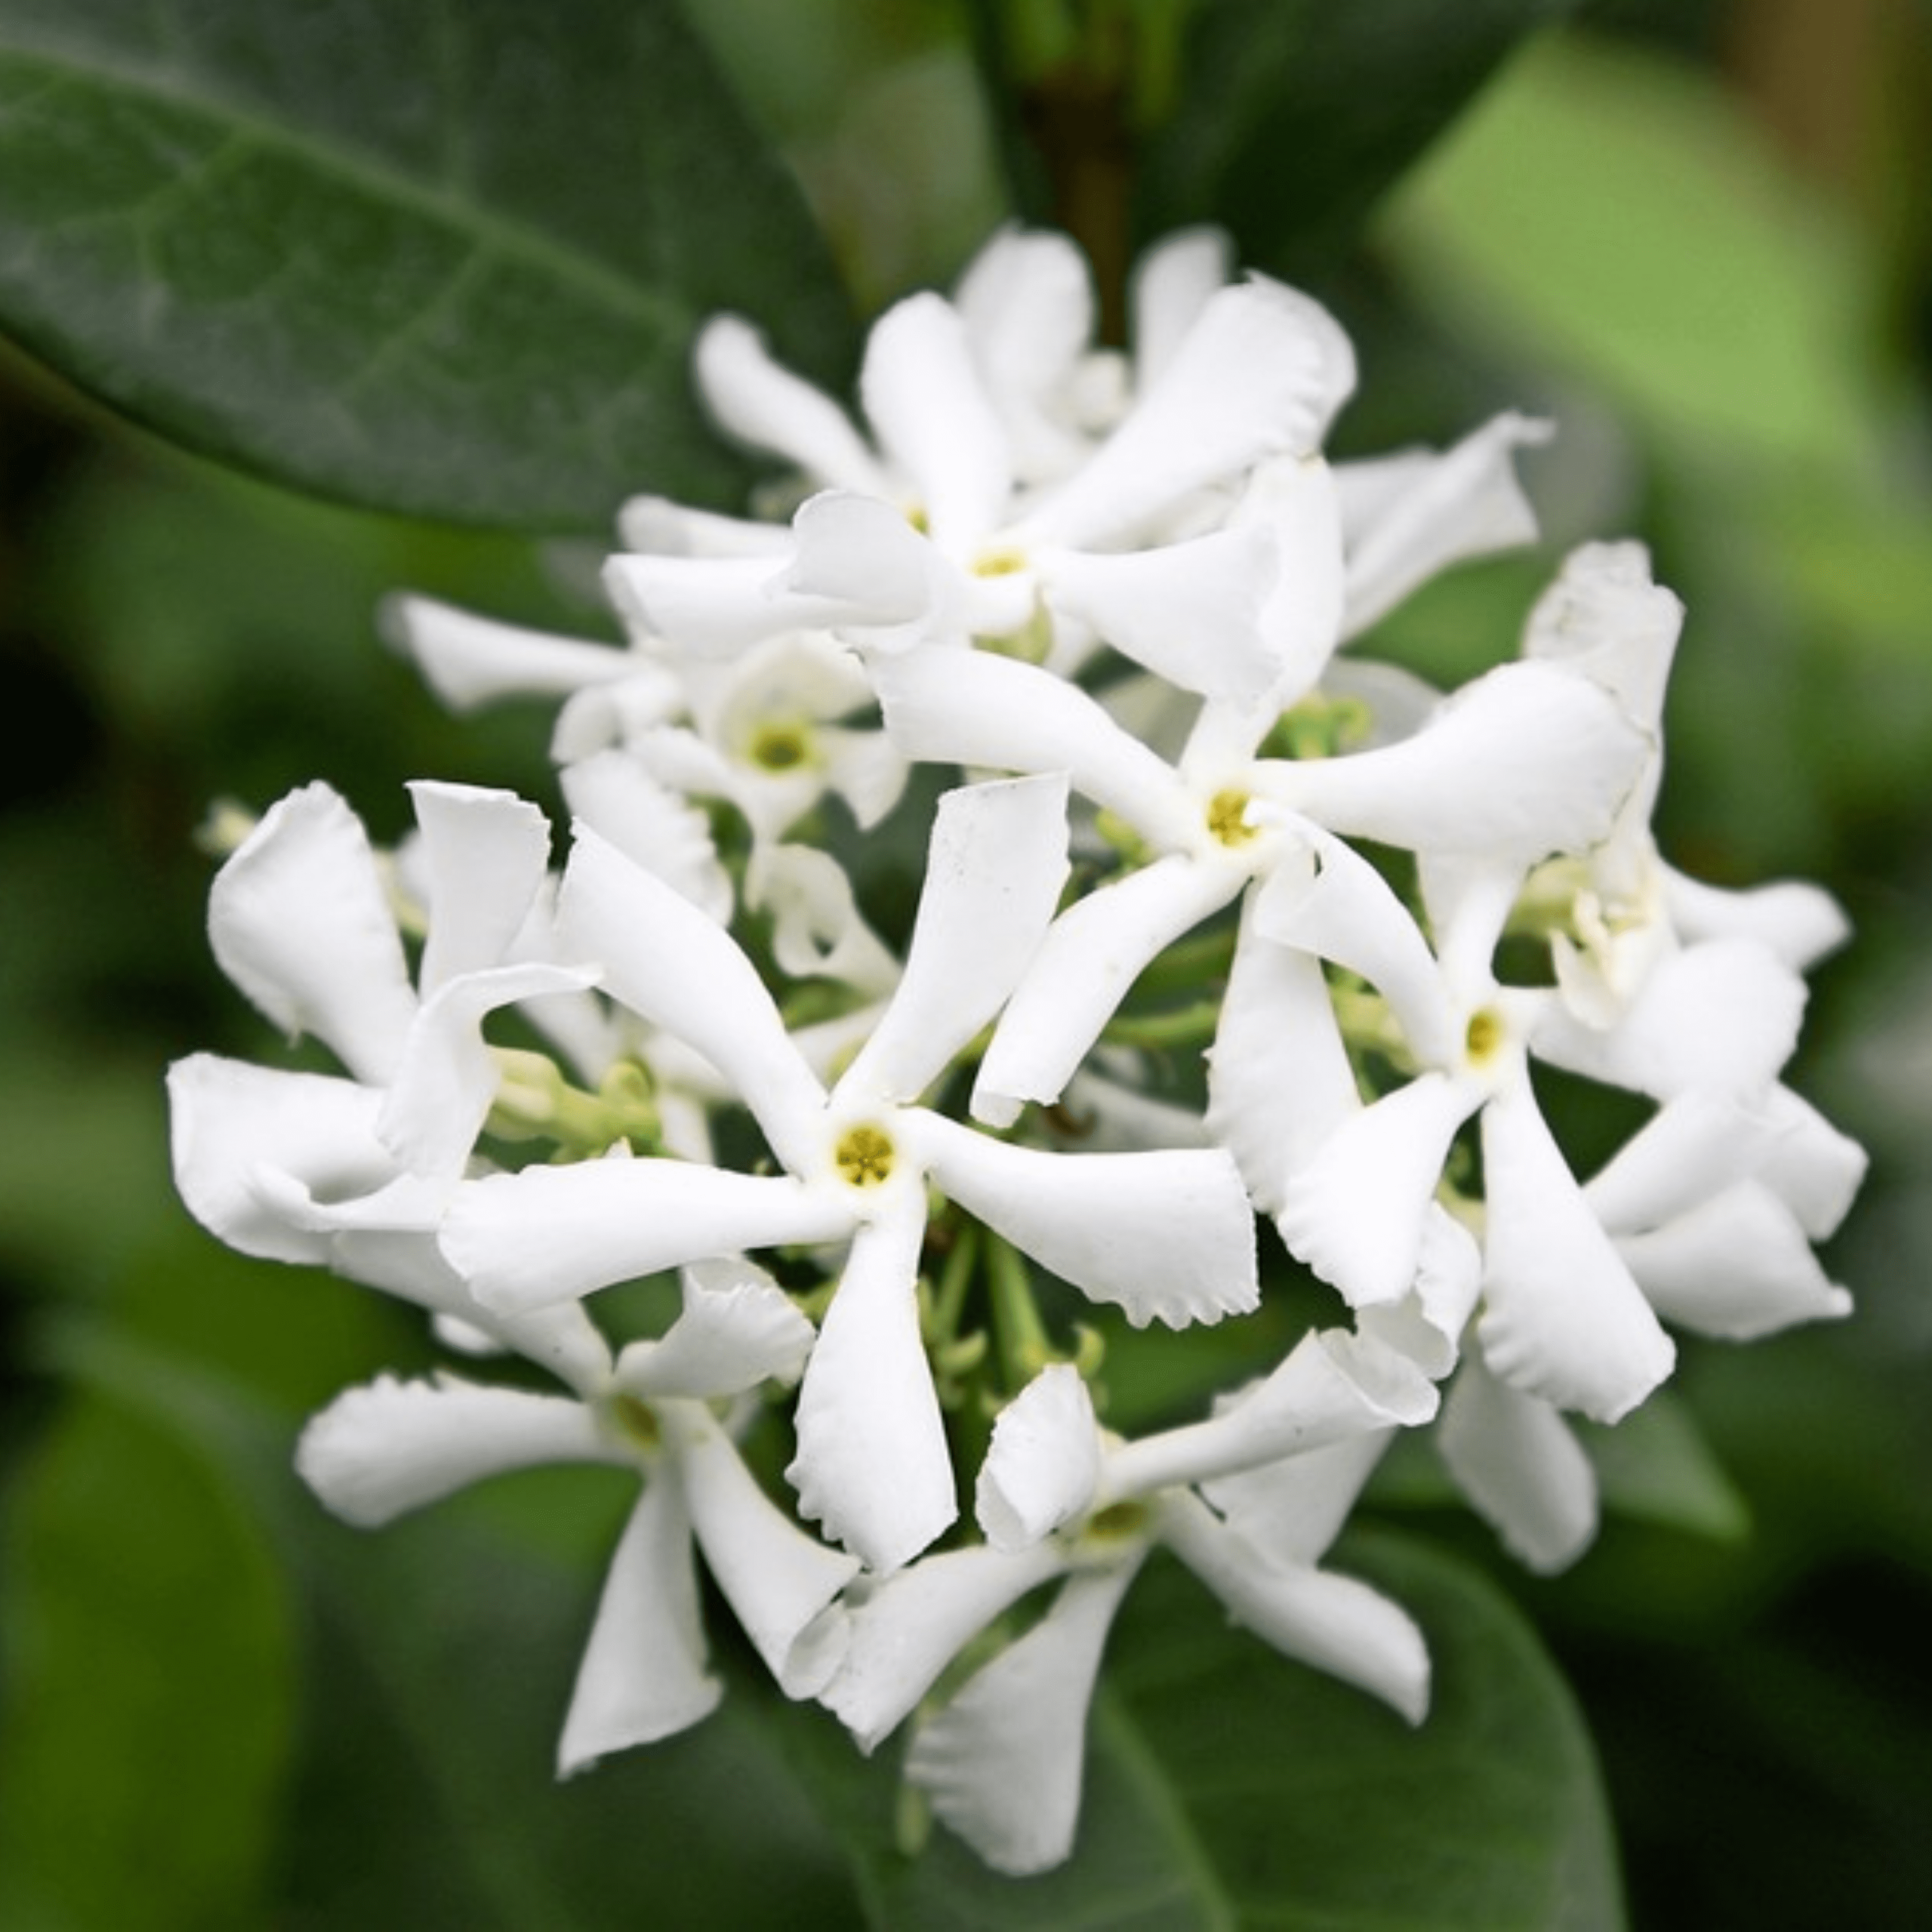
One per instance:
(1555, 751)
(391, 1447)
(940, 542)
(1164, 1235)
(1060, 1501)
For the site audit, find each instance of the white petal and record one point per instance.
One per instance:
(1165, 1236)
(779, 1581)
(995, 866)
(1723, 1017)
(1260, 374)
(1563, 1320)
(1092, 954)
(873, 1469)
(1292, 1509)
(484, 853)
(818, 931)
(470, 660)
(1043, 1464)
(973, 708)
(910, 1625)
(1556, 754)
(668, 961)
(1170, 286)
(1605, 616)
(926, 401)
(1279, 1080)
(1464, 503)
(389, 1446)
(1814, 1169)
(549, 1234)
(1295, 498)
(738, 1328)
(299, 920)
(1513, 1457)
(1343, 910)
(1696, 1144)
(1426, 1324)
(1332, 1386)
(1800, 923)
(446, 1079)
(1191, 611)
(711, 606)
(1356, 1212)
(644, 1676)
(651, 825)
(1002, 1763)
(1332, 1623)
(860, 566)
(761, 402)
(1738, 1266)
(228, 1121)
(668, 528)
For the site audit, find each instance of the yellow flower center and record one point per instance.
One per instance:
(780, 747)
(635, 1422)
(1228, 818)
(1485, 1034)
(1002, 561)
(864, 1156)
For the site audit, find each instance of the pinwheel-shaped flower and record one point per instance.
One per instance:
(1164, 1235)
(390, 1447)
(1249, 1500)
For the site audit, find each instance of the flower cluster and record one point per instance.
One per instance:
(1105, 598)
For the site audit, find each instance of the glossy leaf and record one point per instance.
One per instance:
(446, 259)
(1294, 115)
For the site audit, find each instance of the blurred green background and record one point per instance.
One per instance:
(1699, 237)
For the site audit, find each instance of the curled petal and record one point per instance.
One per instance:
(1513, 1457)
(863, 568)
(470, 660)
(484, 854)
(1357, 1213)
(928, 405)
(1563, 1319)
(389, 1446)
(1798, 923)
(908, 1626)
(1814, 1169)
(445, 1078)
(1002, 1763)
(1166, 1236)
(1333, 1623)
(738, 1328)
(1091, 955)
(1426, 1325)
(546, 1234)
(779, 1581)
(643, 1676)
(1043, 1465)
(713, 606)
(1193, 612)
(1556, 752)
(872, 1466)
(818, 931)
(973, 708)
(229, 1123)
(1279, 1080)
(1738, 1266)
(1464, 503)
(1605, 616)
(994, 867)
(299, 921)
(760, 402)
(1293, 1508)
(668, 961)
(1261, 373)
(1333, 1386)
(1696, 1145)
(654, 826)
(1170, 285)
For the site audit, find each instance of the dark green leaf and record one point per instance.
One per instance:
(440, 258)
(150, 1703)
(1295, 114)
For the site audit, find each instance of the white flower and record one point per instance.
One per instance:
(389, 1446)
(1278, 1467)
(1165, 1235)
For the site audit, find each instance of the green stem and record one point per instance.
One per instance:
(1024, 1347)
